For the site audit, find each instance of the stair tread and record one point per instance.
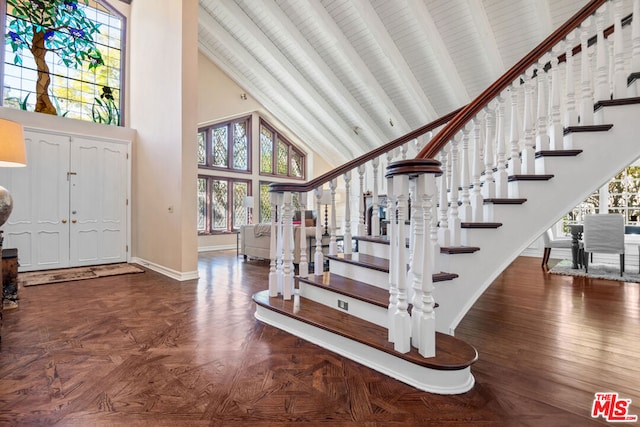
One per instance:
(350, 287)
(459, 249)
(557, 153)
(587, 128)
(381, 264)
(451, 352)
(481, 224)
(504, 201)
(529, 177)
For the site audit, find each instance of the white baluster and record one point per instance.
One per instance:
(586, 91)
(556, 139)
(454, 218)
(393, 260)
(465, 178)
(528, 152)
(333, 243)
(418, 217)
(542, 121)
(501, 176)
(375, 217)
(403, 151)
(571, 113)
(427, 328)
(634, 89)
(303, 267)
(489, 185)
(346, 241)
(273, 277)
(287, 239)
(280, 243)
(602, 87)
(362, 228)
(514, 132)
(476, 192)
(318, 261)
(444, 235)
(402, 321)
(619, 76)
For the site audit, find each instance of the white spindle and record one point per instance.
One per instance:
(362, 229)
(528, 152)
(454, 218)
(443, 230)
(556, 140)
(287, 239)
(375, 217)
(418, 217)
(634, 88)
(303, 267)
(333, 243)
(427, 328)
(619, 76)
(501, 177)
(402, 321)
(489, 185)
(393, 260)
(273, 277)
(465, 178)
(514, 132)
(318, 260)
(476, 192)
(346, 242)
(542, 123)
(571, 113)
(602, 87)
(586, 91)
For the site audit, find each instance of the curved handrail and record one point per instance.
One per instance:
(468, 112)
(332, 174)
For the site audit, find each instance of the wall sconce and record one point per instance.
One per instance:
(243, 96)
(12, 154)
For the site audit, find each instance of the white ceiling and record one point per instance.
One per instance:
(350, 75)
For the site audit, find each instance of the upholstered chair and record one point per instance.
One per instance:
(603, 233)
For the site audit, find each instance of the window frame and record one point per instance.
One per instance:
(291, 149)
(208, 141)
(229, 212)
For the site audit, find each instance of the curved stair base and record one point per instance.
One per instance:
(427, 379)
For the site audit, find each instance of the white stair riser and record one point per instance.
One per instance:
(380, 250)
(363, 310)
(359, 273)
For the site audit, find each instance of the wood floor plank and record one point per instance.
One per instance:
(147, 350)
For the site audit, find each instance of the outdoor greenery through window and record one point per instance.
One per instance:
(64, 57)
(278, 157)
(220, 204)
(226, 145)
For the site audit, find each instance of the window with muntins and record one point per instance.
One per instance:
(279, 157)
(220, 204)
(64, 57)
(226, 145)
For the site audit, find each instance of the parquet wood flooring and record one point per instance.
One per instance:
(145, 350)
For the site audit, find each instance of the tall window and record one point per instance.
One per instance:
(64, 57)
(279, 157)
(220, 204)
(265, 202)
(226, 145)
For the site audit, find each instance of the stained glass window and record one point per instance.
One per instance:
(296, 164)
(240, 191)
(81, 53)
(202, 148)
(265, 202)
(266, 150)
(278, 157)
(227, 145)
(202, 204)
(283, 158)
(220, 203)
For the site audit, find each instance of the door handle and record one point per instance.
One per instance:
(74, 221)
(64, 221)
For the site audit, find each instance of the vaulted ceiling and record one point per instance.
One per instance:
(349, 75)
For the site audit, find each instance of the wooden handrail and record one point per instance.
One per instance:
(469, 112)
(335, 173)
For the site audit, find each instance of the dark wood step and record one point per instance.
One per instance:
(451, 353)
(503, 201)
(481, 225)
(589, 128)
(617, 102)
(381, 264)
(557, 153)
(452, 250)
(531, 177)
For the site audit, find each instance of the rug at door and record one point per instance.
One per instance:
(596, 271)
(46, 277)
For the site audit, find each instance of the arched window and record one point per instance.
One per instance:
(64, 57)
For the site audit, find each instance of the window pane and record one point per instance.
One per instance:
(265, 203)
(296, 164)
(219, 148)
(219, 204)
(266, 150)
(202, 204)
(202, 149)
(240, 191)
(283, 158)
(240, 146)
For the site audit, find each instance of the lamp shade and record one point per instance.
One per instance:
(247, 202)
(325, 199)
(12, 151)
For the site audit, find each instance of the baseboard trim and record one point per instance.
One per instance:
(173, 274)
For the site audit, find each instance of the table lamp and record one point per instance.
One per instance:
(12, 154)
(248, 203)
(325, 200)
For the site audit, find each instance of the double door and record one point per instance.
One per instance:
(70, 202)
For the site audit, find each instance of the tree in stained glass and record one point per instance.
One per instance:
(266, 150)
(219, 204)
(283, 158)
(219, 146)
(265, 202)
(240, 146)
(240, 190)
(202, 149)
(202, 204)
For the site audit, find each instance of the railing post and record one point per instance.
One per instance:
(273, 276)
(542, 138)
(528, 151)
(602, 87)
(634, 88)
(362, 229)
(402, 321)
(476, 192)
(586, 92)
(318, 260)
(454, 218)
(427, 322)
(465, 180)
(556, 137)
(346, 240)
(619, 75)
(375, 204)
(393, 260)
(303, 267)
(501, 177)
(444, 235)
(571, 113)
(333, 244)
(287, 240)
(489, 185)
(514, 132)
(420, 224)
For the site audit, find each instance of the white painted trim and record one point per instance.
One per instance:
(173, 274)
(216, 248)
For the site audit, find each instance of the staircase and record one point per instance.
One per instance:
(482, 190)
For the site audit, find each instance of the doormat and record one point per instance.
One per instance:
(33, 278)
(596, 271)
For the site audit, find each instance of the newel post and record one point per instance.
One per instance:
(418, 329)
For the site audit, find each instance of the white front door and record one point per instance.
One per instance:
(98, 202)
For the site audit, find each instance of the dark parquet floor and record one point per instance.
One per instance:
(144, 350)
